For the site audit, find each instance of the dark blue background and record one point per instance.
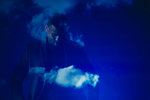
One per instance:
(117, 43)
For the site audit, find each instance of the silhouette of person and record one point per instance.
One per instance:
(57, 51)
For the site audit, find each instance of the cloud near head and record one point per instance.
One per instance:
(37, 25)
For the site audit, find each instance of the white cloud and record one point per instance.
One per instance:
(68, 77)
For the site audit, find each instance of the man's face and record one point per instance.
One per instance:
(53, 36)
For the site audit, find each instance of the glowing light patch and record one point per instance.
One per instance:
(68, 77)
(77, 38)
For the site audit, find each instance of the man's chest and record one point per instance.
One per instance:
(48, 57)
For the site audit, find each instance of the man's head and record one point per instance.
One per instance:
(56, 28)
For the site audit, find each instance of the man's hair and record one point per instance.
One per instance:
(58, 20)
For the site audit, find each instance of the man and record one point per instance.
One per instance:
(57, 51)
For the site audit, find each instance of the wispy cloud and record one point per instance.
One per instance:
(50, 7)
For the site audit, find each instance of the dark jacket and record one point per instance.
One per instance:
(45, 55)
